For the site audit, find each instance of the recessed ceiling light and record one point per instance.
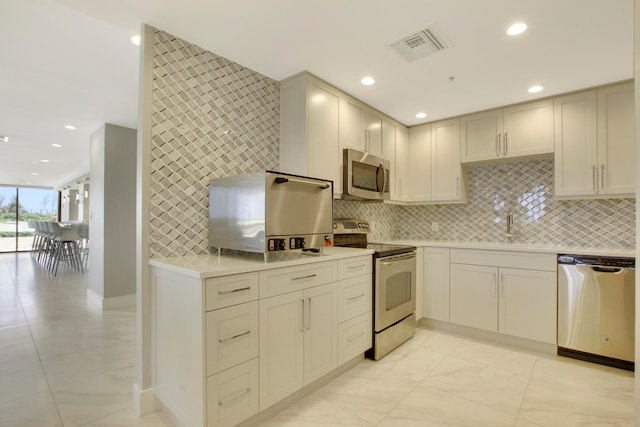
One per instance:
(367, 81)
(4, 139)
(517, 28)
(44, 161)
(27, 182)
(135, 40)
(56, 145)
(421, 115)
(35, 174)
(70, 127)
(535, 89)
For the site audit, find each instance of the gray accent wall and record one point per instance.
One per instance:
(112, 229)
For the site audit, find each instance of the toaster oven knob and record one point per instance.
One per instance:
(292, 243)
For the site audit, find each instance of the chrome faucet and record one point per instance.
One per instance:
(509, 224)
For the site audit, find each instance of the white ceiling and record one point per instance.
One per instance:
(71, 61)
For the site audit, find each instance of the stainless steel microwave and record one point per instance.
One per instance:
(364, 176)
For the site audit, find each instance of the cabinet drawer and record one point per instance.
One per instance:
(352, 267)
(282, 280)
(354, 337)
(232, 395)
(526, 260)
(354, 297)
(230, 290)
(231, 336)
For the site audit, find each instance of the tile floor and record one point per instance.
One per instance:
(65, 363)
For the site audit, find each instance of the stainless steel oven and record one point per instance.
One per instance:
(394, 286)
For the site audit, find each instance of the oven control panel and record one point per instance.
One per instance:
(350, 226)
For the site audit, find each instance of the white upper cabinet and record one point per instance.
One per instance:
(400, 186)
(435, 173)
(521, 131)
(360, 127)
(595, 143)
(419, 164)
(309, 129)
(616, 140)
(446, 171)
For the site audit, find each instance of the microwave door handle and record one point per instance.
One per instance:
(282, 180)
(384, 184)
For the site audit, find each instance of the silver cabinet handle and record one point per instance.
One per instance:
(506, 144)
(602, 176)
(234, 290)
(356, 297)
(302, 315)
(234, 336)
(502, 285)
(495, 279)
(242, 393)
(498, 144)
(355, 266)
(308, 313)
(594, 171)
(304, 277)
(355, 337)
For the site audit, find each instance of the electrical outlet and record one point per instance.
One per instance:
(434, 226)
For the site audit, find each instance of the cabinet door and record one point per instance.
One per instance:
(419, 161)
(323, 150)
(616, 140)
(576, 144)
(281, 347)
(528, 129)
(320, 331)
(400, 191)
(232, 395)
(389, 152)
(231, 336)
(481, 136)
(474, 297)
(435, 300)
(373, 133)
(527, 304)
(446, 171)
(351, 124)
(354, 337)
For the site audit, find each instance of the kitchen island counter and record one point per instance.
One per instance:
(206, 266)
(520, 247)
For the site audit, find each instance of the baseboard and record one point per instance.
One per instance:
(144, 401)
(113, 302)
(494, 337)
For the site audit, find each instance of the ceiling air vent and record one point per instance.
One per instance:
(420, 44)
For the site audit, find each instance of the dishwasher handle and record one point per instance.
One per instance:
(600, 269)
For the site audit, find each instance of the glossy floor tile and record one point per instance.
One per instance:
(66, 363)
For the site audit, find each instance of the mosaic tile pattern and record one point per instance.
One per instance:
(527, 190)
(383, 219)
(211, 118)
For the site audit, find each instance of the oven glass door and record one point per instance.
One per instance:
(395, 289)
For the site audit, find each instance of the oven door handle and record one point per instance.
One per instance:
(397, 260)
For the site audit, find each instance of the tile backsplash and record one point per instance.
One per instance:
(211, 118)
(525, 188)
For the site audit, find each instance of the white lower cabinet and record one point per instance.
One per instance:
(227, 347)
(435, 280)
(490, 290)
(474, 298)
(233, 395)
(298, 340)
(527, 304)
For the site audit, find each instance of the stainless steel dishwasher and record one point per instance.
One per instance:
(596, 314)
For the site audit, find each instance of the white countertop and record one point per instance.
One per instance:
(620, 252)
(205, 266)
